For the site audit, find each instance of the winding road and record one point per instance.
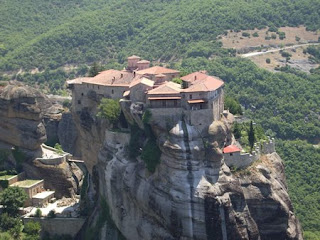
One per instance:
(252, 54)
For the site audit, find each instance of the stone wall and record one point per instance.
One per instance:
(166, 117)
(58, 226)
(243, 160)
(53, 161)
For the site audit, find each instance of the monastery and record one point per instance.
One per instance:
(199, 98)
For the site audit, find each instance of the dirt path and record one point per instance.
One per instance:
(276, 50)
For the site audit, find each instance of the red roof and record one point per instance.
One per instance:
(156, 70)
(112, 77)
(231, 149)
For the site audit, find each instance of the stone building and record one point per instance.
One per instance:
(199, 99)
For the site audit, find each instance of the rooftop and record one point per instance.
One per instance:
(207, 84)
(157, 70)
(231, 149)
(7, 177)
(112, 77)
(194, 77)
(43, 195)
(134, 57)
(142, 80)
(166, 88)
(26, 183)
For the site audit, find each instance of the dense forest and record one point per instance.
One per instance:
(61, 38)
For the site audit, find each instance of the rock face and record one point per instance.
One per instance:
(192, 194)
(23, 111)
(20, 117)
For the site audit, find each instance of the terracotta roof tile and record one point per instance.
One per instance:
(78, 80)
(156, 70)
(134, 57)
(194, 77)
(208, 84)
(112, 78)
(142, 80)
(231, 149)
(166, 88)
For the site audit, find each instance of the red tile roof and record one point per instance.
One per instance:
(231, 149)
(142, 80)
(134, 57)
(112, 78)
(194, 77)
(205, 85)
(156, 70)
(166, 88)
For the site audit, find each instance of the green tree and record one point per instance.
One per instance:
(237, 130)
(15, 232)
(7, 222)
(95, 69)
(251, 136)
(38, 213)
(110, 110)
(32, 229)
(12, 199)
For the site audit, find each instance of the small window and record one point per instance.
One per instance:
(182, 95)
(231, 154)
(98, 87)
(79, 102)
(81, 94)
(190, 96)
(163, 103)
(112, 91)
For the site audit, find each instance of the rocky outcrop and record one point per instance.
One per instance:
(20, 117)
(23, 112)
(192, 194)
(67, 133)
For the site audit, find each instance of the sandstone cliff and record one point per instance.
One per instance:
(192, 194)
(23, 113)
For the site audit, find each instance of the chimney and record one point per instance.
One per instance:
(195, 77)
(121, 75)
(113, 79)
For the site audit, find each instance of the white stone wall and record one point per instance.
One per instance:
(243, 160)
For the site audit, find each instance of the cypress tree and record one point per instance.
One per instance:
(251, 136)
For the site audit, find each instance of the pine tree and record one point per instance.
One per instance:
(251, 136)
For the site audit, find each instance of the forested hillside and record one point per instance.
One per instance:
(50, 35)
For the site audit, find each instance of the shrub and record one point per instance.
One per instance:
(110, 110)
(32, 228)
(38, 213)
(273, 36)
(233, 105)
(66, 103)
(52, 214)
(255, 34)
(245, 34)
(273, 29)
(151, 155)
(282, 35)
(12, 199)
(58, 147)
(146, 117)
(286, 54)
(268, 60)
(7, 222)
(297, 39)
(177, 80)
